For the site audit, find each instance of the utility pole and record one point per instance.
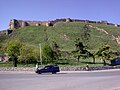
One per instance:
(40, 54)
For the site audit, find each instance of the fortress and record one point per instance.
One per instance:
(15, 24)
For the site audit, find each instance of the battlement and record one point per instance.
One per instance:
(14, 24)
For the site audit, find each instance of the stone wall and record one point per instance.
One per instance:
(14, 24)
(3, 32)
(66, 68)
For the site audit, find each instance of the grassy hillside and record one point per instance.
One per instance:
(65, 34)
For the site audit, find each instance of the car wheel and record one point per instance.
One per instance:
(53, 72)
(39, 72)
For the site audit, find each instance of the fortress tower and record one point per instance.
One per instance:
(12, 24)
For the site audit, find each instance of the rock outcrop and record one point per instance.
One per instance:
(116, 38)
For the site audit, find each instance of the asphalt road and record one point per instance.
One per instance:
(91, 80)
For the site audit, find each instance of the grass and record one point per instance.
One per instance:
(64, 34)
(10, 64)
(5, 64)
(62, 62)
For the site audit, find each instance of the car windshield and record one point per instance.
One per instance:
(47, 67)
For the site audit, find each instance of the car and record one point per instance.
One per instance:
(115, 61)
(48, 69)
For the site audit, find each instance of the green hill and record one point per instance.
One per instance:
(66, 33)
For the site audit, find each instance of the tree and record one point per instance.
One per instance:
(56, 50)
(13, 50)
(105, 53)
(92, 55)
(47, 53)
(79, 45)
(85, 35)
(81, 51)
(28, 54)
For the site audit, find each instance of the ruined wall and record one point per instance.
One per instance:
(4, 32)
(14, 24)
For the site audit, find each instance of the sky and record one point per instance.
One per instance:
(43, 10)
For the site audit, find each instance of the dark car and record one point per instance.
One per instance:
(115, 61)
(48, 69)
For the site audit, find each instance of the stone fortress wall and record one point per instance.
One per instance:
(14, 24)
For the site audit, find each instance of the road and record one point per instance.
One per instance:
(85, 80)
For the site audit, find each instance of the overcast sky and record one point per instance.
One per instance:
(40, 10)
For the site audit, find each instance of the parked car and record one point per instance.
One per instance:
(115, 61)
(48, 69)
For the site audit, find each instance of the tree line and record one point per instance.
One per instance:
(19, 52)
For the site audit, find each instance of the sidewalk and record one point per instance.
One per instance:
(32, 72)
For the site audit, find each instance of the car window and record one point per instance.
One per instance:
(45, 68)
(48, 67)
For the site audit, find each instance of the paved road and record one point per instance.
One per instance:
(91, 80)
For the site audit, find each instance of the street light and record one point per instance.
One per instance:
(40, 54)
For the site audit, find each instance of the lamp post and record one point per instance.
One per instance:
(40, 54)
